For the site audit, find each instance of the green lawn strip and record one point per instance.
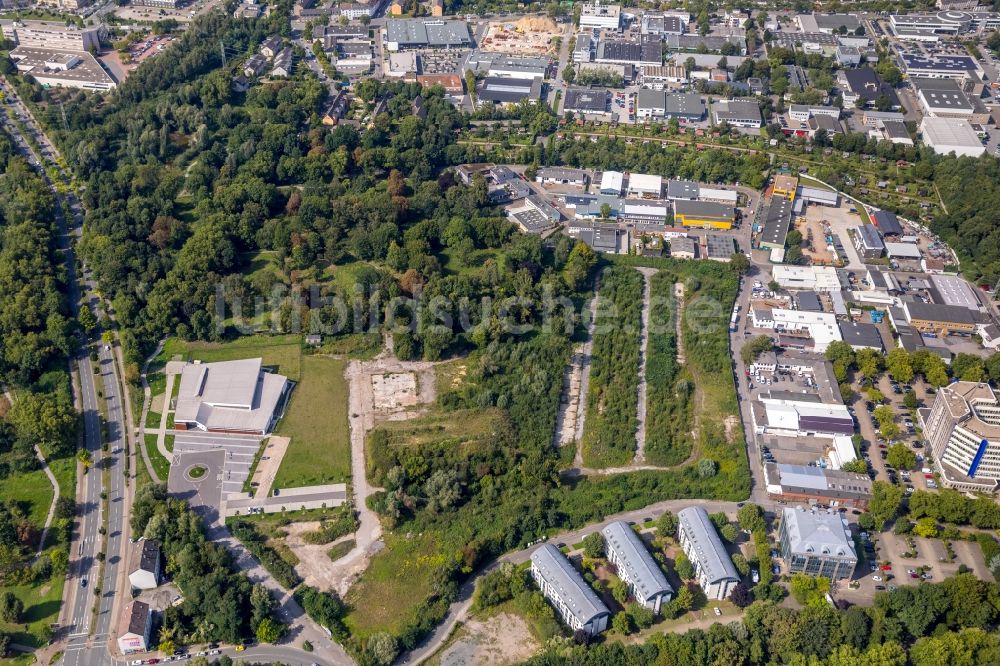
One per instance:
(340, 549)
(153, 419)
(668, 386)
(247, 487)
(316, 421)
(168, 442)
(612, 397)
(160, 464)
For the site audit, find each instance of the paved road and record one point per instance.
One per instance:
(86, 642)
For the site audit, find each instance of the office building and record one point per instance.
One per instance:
(53, 36)
(817, 543)
(62, 69)
(713, 567)
(868, 242)
(942, 66)
(577, 604)
(635, 566)
(600, 16)
(815, 485)
(963, 430)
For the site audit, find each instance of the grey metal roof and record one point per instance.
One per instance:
(825, 482)
(502, 90)
(779, 216)
(942, 314)
(704, 209)
(642, 569)
(818, 533)
(679, 244)
(718, 246)
(428, 32)
(887, 222)
(869, 237)
(859, 334)
(682, 189)
(713, 560)
(229, 395)
(584, 99)
(737, 109)
(556, 570)
(808, 301)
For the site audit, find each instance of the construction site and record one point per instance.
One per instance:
(530, 36)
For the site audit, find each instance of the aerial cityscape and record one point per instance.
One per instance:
(481, 332)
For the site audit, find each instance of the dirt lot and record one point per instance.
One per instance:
(817, 251)
(497, 641)
(531, 36)
(394, 391)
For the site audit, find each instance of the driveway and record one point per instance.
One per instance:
(239, 454)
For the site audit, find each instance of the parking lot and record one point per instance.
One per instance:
(893, 561)
(239, 454)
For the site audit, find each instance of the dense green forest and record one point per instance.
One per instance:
(36, 331)
(218, 604)
(609, 430)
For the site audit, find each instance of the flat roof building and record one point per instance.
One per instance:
(704, 214)
(700, 541)
(737, 112)
(53, 35)
(229, 396)
(561, 176)
(861, 335)
(864, 84)
(813, 278)
(588, 102)
(620, 52)
(600, 16)
(682, 247)
(953, 290)
(577, 603)
(504, 91)
(942, 66)
(688, 107)
(817, 543)
(963, 430)
(644, 184)
(814, 485)
(719, 247)
(941, 319)
(827, 23)
(426, 33)
(612, 182)
(62, 69)
(951, 135)
(942, 97)
(776, 223)
(682, 189)
(635, 566)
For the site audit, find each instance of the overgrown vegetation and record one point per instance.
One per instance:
(612, 397)
(669, 387)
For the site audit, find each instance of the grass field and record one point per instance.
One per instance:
(316, 421)
(160, 464)
(284, 353)
(41, 608)
(395, 583)
(32, 492)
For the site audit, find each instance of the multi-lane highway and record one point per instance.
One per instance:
(102, 493)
